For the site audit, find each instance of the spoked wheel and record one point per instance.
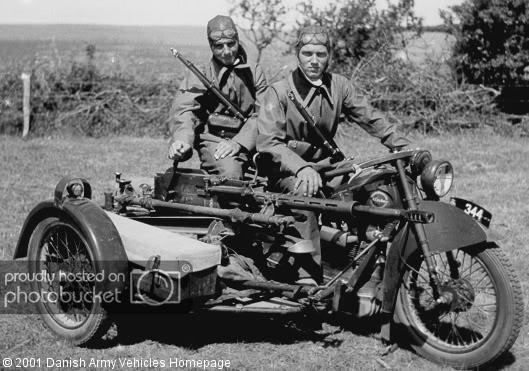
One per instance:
(66, 283)
(478, 316)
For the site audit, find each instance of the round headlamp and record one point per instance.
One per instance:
(437, 178)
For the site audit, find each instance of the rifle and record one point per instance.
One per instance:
(234, 109)
(336, 154)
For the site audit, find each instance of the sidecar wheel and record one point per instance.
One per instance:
(59, 251)
(473, 330)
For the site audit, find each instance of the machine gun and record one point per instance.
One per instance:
(207, 190)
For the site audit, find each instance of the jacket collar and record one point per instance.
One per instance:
(304, 91)
(220, 70)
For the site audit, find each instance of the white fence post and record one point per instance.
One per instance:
(26, 104)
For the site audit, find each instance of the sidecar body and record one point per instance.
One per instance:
(129, 249)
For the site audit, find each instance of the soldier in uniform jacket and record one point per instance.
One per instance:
(282, 129)
(199, 120)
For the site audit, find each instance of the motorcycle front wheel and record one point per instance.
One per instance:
(64, 259)
(480, 321)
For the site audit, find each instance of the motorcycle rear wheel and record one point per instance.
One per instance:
(477, 330)
(60, 253)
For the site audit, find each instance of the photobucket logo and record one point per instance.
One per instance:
(61, 297)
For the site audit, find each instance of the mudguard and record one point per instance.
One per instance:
(109, 254)
(452, 229)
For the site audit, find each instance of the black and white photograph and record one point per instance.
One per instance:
(264, 184)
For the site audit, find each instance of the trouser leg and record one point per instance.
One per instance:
(230, 167)
(309, 265)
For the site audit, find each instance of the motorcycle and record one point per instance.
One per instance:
(433, 272)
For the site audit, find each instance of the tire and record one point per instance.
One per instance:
(58, 249)
(474, 331)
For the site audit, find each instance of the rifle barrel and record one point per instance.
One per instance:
(234, 109)
(336, 153)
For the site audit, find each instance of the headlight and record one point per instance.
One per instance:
(419, 160)
(437, 178)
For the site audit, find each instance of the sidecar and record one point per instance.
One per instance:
(94, 261)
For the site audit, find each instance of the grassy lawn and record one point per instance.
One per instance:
(491, 170)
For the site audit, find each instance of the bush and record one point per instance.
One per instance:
(79, 99)
(492, 40)
(11, 120)
(424, 97)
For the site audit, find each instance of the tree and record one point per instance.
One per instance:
(261, 21)
(492, 40)
(360, 31)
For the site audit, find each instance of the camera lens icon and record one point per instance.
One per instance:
(155, 287)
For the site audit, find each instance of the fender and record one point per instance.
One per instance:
(93, 222)
(43, 210)
(452, 229)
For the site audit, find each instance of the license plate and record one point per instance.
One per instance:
(477, 212)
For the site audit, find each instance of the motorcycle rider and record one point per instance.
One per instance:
(282, 130)
(198, 119)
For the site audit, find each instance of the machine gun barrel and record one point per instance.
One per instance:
(235, 215)
(341, 207)
(324, 205)
(306, 203)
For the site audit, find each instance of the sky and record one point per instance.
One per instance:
(151, 12)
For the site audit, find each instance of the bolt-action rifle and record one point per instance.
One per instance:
(336, 154)
(234, 109)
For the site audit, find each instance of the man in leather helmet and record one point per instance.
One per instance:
(282, 130)
(199, 120)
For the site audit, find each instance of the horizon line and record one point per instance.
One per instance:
(132, 25)
(100, 24)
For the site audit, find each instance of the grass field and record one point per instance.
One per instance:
(490, 170)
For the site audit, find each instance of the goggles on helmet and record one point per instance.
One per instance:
(313, 38)
(224, 34)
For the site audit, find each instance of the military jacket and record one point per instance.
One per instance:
(242, 83)
(279, 122)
